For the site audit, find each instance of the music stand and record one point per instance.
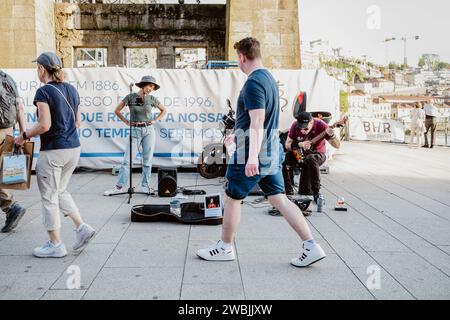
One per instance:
(130, 191)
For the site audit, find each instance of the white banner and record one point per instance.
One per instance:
(376, 129)
(195, 100)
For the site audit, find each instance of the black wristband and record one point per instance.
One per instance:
(24, 135)
(294, 145)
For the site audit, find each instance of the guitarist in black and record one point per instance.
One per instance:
(306, 146)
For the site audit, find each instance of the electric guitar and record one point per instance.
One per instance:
(299, 154)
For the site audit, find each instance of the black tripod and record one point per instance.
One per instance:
(130, 191)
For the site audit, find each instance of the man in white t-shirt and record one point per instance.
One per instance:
(431, 114)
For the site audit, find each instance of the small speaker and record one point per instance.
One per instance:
(167, 182)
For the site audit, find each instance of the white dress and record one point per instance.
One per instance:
(417, 121)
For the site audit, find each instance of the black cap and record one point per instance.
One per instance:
(49, 61)
(303, 119)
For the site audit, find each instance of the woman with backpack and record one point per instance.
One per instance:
(59, 117)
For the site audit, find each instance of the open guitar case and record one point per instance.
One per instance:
(191, 213)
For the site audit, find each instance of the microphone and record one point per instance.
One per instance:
(131, 84)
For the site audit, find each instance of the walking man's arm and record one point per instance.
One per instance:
(257, 117)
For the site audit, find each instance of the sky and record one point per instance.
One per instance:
(348, 24)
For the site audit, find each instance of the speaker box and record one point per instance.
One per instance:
(167, 182)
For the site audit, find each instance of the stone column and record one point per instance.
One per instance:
(275, 23)
(166, 57)
(26, 30)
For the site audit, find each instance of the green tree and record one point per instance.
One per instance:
(343, 101)
(359, 75)
(441, 65)
(393, 66)
(421, 63)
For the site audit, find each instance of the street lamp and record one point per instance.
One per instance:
(386, 42)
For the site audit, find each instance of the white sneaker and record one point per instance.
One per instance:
(216, 253)
(49, 250)
(115, 190)
(145, 190)
(309, 256)
(84, 233)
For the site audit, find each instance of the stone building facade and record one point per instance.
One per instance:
(275, 23)
(118, 27)
(30, 27)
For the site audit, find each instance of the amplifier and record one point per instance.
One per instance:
(167, 182)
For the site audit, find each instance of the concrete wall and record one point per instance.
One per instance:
(20, 23)
(275, 23)
(117, 27)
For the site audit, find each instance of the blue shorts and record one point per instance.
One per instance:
(239, 185)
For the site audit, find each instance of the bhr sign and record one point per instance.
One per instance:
(377, 127)
(374, 129)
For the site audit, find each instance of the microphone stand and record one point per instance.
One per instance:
(130, 191)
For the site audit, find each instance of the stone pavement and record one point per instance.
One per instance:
(397, 226)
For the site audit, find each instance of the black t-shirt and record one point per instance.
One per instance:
(63, 131)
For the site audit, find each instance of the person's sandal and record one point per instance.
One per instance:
(274, 212)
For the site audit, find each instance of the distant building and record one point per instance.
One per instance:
(444, 77)
(364, 87)
(359, 105)
(399, 99)
(382, 110)
(385, 86)
(376, 86)
(310, 59)
(443, 110)
(397, 78)
(401, 111)
(436, 78)
(415, 80)
(362, 105)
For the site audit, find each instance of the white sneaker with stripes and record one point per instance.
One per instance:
(309, 255)
(216, 253)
